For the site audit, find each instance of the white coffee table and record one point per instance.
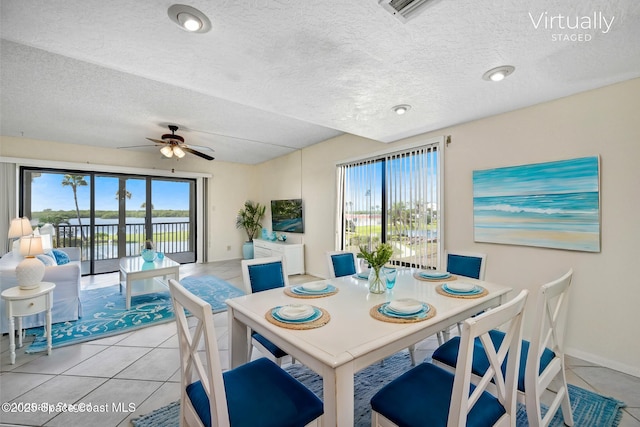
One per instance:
(140, 277)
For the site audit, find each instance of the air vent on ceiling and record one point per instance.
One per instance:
(405, 9)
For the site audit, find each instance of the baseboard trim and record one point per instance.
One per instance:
(603, 361)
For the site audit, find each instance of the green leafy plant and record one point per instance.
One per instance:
(249, 218)
(378, 257)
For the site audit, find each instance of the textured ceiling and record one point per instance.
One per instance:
(273, 76)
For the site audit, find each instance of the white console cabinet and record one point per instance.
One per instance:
(292, 253)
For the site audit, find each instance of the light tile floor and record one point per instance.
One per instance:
(127, 375)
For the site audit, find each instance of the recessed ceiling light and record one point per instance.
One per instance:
(499, 73)
(189, 18)
(401, 109)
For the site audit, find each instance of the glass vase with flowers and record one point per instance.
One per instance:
(376, 260)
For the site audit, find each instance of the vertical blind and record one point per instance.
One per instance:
(393, 198)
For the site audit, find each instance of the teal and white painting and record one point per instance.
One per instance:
(551, 205)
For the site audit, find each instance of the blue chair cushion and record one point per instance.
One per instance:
(343, 265)
(421, 397)
(60, 256)
(266, 276)
(259, 393)
(463, 265)
(447, 353)
(273, 349)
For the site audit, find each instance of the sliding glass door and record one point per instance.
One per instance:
(111, 215)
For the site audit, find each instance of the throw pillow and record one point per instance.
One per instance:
(46, 260)
(60, 256)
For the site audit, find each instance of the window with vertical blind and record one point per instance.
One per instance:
(394, 197)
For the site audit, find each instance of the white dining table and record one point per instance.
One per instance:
(352, 339)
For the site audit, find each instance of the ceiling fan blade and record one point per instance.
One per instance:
(197, 153)
(135, 146)
(158, 141)
(200, 148)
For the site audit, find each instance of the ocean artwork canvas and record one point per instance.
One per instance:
(552, 205)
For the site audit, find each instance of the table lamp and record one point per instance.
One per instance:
(19, 227)
(31, 270)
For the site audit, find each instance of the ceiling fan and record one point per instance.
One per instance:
(173, 145)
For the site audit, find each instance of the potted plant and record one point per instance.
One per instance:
(249, 219)
(377, 259)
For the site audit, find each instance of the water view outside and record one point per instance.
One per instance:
(170, 235)
(114, 213)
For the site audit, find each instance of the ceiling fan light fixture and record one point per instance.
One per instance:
(167, 151)
(499, 73)
(189, 18)
(179, 152)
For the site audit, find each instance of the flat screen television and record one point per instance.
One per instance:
(286, 215)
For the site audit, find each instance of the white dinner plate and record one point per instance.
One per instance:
(295, 311)
(461, 286)
(405, 306)
(423, 312)
(315, 286)
(435, 274)
(299, 290)
(317, 313)
(475, 291)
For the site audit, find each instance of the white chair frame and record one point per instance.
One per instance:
(246, 279)
(510, 313)
(551, 315)
(549, 327)
(190, 341)
(443, 336)
(191, 366)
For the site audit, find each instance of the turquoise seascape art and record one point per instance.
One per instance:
(552, 205)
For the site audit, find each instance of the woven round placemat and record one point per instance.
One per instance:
(320, 321)
(447, 294)
(447, 279)
(289, 292)
(379, 316)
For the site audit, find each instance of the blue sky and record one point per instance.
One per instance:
(48, 193)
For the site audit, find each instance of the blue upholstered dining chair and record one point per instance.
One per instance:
(467, 264)
(428, 395)
(258, 393)
(261, 274)
(542, 359)
(341, 263)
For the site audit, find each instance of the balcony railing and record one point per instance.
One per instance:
(168, 237)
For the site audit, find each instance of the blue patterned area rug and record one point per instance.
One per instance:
(104, 312)
(589, 409)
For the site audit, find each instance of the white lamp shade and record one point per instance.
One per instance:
(20, 227)
(31, 246)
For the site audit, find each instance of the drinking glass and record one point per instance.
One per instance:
(391, 275)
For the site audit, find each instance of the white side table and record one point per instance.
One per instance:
(25, 303)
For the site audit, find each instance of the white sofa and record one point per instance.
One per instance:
(66, 295)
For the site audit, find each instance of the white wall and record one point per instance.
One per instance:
(604, 313)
